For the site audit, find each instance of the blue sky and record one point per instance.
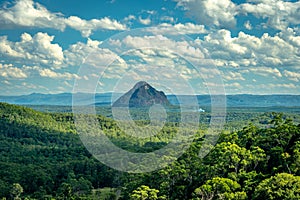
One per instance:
(253, 45)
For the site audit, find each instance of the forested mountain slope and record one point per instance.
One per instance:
(42, 153)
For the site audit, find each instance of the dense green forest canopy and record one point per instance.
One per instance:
(42, 157)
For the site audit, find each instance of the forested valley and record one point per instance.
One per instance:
(257, 156)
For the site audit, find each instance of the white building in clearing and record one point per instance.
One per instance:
(201, 110)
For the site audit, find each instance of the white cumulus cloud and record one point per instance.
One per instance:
(294, 76)
(211, 12)
(27, 13)
(145, 21)
(35, 49)
(248, 25)
(244, 50)
(186, 28)
(279, 14)
(86, 27)
(56, 75)
(9, 71)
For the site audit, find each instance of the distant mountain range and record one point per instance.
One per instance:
(104, 99)
(62, 99)
(245, 100)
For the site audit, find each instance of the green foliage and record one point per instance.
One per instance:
(39, 150)
(282, 186)
(145, 193)
(228, 157)
(104, 193)
(16, 190)
(220, 188)
(44, 155)
(65, 191)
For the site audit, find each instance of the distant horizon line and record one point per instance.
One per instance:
(168, 94)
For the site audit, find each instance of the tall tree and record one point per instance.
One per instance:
(219, 188)
(16, 191)
(282, 186)
(145, 193)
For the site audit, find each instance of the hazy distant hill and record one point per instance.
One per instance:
(244, 100)
(55, 99)
(241, 100)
